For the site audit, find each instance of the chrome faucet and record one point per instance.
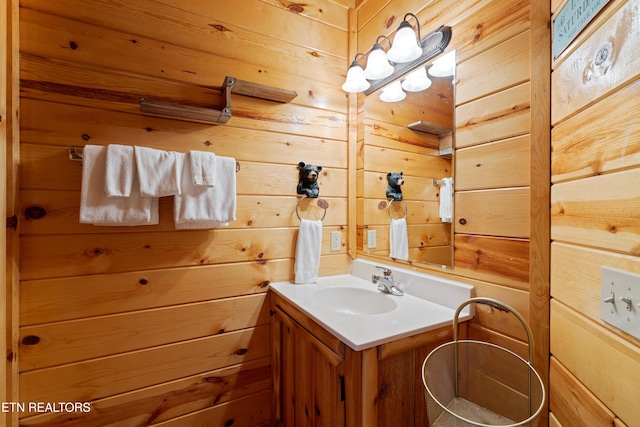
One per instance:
(386, 283)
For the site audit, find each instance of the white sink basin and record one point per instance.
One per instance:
(351, 308)
(356, 301)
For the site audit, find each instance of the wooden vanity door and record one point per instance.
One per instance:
(308, 377)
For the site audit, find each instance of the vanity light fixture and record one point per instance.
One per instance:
(430, 46)
(405, 47)
(378, 66)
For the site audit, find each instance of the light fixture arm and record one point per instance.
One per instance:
(417, 23)
(384, 38)
(355, 59)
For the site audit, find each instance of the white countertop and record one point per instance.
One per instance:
(403, 316)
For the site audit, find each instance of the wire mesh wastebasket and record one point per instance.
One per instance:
(476, 383)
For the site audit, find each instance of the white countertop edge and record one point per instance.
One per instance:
(291, 292)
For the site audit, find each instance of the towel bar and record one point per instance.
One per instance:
(438, 182)
(321, 202)
(75, 154)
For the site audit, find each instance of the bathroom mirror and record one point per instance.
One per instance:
(414, 136)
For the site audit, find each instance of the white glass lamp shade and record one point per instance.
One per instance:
(393, 93)
(417, 81)
(355, 81)
(405, 46)
(378, 66)
(444, 66)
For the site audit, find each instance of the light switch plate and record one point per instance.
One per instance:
(336, 240)
(620, 300)
(371, 239)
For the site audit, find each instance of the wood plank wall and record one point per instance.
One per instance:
(502, 155)
(595, 217)
(5, 140)
(10, 134)
(149, 324)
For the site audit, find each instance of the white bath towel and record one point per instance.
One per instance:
(203, 168)
(446, 194)
(120, 169)
(398, 239)
(308, 249)
(206, 207)
(157, 172)
(98, 209)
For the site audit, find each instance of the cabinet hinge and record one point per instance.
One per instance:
(272, 312)
(342, 391)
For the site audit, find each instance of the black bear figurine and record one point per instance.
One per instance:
(308, 183)
(394, 189)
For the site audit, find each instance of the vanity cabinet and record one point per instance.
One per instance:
(320, 381)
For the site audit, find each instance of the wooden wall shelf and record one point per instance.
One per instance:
(213, 116)
(445, 134)
(431, 128)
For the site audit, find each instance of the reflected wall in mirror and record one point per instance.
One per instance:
(415, 136)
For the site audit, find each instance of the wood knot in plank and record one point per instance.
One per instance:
(263, 284)
(219, 27)
(295, 7)
(390, 21)
(478, 33)
(35, 212)
(241, 351)
(96, 252)
(214, 380)
(12, 222)
(30, 340)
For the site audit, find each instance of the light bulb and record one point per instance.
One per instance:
(444, 66)
(405, 47)
(355, 81)
(378, 66)
(393, 93)
(417, 81)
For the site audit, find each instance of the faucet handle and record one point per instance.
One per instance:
(385, 271)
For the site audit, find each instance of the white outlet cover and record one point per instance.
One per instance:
(623, 314)
(336, 240)
(371, 239)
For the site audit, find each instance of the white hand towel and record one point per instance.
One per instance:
(446, 190)
(157, 172)
(206, 207)
(98, 209)
(120, 169)
(203, 168)
(308, 249)
(398, 239)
